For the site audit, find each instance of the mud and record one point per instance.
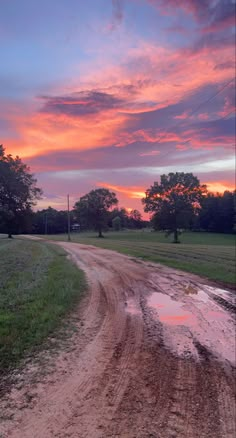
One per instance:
(153, 356)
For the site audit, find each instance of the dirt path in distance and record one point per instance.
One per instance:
(154, 356)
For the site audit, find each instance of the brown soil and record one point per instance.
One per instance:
(153, 357)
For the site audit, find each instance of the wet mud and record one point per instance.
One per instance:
(153, 356)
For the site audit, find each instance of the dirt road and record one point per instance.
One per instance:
(153, 356)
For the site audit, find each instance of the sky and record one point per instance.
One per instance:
(115, 93)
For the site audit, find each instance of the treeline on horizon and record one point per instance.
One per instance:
(52, 221)
(177, 202)
(216, 215)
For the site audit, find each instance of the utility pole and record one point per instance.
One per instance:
(68, 216)
(46, 222)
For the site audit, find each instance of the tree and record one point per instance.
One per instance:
(49, 221)
(116, 223)
(228, 211)
(174, 201)
(18, 192)
(218, 212)
(92, 210)
(135, 219)
(122, 213)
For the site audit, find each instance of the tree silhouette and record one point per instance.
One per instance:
(92, 210)
(18, 192)
(174, 201)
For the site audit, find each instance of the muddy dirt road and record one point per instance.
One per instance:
(153, 356)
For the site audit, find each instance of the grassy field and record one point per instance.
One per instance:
(38, 285)
(207, 254)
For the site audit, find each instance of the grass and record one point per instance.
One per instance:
(38, 286)
(210, 255)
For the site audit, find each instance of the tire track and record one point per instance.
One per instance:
(122, 378)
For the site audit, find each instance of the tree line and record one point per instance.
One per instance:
(51, 221)
(177, 202)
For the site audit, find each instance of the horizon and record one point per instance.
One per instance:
(114, 94)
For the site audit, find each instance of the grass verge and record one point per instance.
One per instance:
(209, 255)
(38, 286)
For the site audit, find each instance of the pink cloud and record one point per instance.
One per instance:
(213, 16)
(182, 147)
(103, 109)
(203, 116)
(182, 116)
(149, 154)
(91, 115)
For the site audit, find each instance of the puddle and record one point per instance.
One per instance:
(169, 311)
(199, 318)
(214, 315)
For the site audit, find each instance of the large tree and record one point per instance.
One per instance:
(92, 210)
(18, 192)
(174, 201)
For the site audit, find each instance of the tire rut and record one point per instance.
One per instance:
(125, 376)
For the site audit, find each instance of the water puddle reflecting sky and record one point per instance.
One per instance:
(169, 310)
(205, 320)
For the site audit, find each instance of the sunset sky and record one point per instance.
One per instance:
(103, 93)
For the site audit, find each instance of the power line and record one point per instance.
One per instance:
(68, 218)
(198, 108)
(213, 96)
(186, 141)
(231, 112)
(221, 118)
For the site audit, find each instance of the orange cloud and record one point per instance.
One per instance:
(40, 133)
(220, 186)
(132, 192)
(172, 76)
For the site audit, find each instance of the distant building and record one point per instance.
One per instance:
(75, 228)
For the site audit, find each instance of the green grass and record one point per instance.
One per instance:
(38, 286)
(207, 254)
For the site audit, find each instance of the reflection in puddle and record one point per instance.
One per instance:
(169, 311)
(197, 318)
(213, 316)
